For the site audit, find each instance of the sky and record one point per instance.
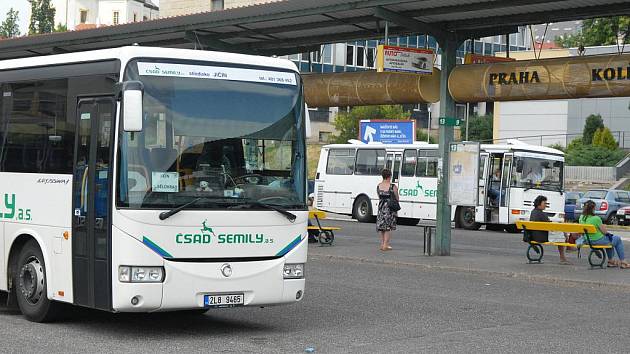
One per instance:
(23, 7)
(19, 5)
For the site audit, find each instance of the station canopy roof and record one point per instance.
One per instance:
(293, 26)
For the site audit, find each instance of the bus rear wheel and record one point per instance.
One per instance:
(30, 283)
(466, 218)
(362, 209)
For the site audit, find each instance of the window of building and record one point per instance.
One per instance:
(116, 18)
(316, 57)
(349, 55)
(360, 56)
(39, 138)
(409, 163)
(327, 53)
(144, 18)
(371, 57)
(83, 16)
(216, 5)
(340, 162)
(135, 17)
(370, 162)
(324, 137)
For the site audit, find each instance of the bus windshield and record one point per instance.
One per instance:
(224, 134)
(537, 173)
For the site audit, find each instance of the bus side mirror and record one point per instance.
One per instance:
(519, 166)
(132, 106)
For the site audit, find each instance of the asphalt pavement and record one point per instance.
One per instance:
(361, 300)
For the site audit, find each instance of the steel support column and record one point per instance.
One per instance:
(447, 109)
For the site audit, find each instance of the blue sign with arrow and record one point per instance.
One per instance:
(387, 131)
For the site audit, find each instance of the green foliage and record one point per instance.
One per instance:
(593, 122)
(557, 147)
(10, 27)
(585, 155)
(422, 135)
(604, 138)
(61, 28)
(480, 128)
(598, 31)
(347, 124)
(42, 17)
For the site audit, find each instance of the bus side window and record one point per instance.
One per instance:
(410, 158)
(432, 162)
(340, 162)
(370, 162)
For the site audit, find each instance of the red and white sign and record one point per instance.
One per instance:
(401, 59)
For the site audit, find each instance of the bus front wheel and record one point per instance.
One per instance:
(30, 284)
(363, 209)
(466, 218)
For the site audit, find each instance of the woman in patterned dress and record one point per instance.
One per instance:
(386, 219)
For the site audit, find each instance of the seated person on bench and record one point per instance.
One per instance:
(601, 236)
(538, 214)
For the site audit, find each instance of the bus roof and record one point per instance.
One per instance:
(125, 54)
(509, 146)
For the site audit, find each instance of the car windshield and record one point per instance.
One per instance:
(227, 134)
(595, 195)
(537, 173)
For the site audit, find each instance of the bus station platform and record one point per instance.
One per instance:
(487, 253)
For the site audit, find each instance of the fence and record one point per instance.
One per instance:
(590, 173)
(621, 137)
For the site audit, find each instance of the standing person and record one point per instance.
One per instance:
(386, 218)
(538, 214)
(601, 236)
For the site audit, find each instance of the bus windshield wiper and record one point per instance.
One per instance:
(289, 215)
(167, 214)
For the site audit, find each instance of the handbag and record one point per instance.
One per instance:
(393, 203)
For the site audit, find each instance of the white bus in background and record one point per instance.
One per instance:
(148, 179)
(511, 176)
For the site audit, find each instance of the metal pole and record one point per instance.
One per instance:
(467, 118)
(429, 125)
(507, 45)
(447, 109)
(386, 33)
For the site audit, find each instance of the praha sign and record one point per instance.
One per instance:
(557, 78)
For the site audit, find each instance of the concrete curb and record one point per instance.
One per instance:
(508, 275)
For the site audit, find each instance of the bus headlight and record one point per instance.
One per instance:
(293, 271)
(127, 274)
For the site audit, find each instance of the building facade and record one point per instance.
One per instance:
(82, 14)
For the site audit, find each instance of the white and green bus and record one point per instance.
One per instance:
(148, 179)
(511, 176)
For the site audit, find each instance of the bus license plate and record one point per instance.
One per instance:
(225, 300)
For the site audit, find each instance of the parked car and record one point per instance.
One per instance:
(623, 216)
(607, 202)
(570, 201)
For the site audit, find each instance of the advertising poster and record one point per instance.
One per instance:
(463, 171)
(401, 59)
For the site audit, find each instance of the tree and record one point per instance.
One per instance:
(604, 138)
(61, 28)
(481, 128)
(585, 155)
(347, 123)
(422, 135)
(10, 27)
(598, 31)
(42, 17)
(593, 122)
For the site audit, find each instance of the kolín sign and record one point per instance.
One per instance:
(557, 78)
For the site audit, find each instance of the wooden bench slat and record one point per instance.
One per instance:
(555, 226)
(566, 244)
(320, 214)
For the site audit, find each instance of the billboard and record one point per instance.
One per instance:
(463, 173)
(401, 59)
(387, 131)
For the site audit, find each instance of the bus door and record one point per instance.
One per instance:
(480, 214)
(504, 201)
(494, 194)
(91, 265)
(393, 164)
